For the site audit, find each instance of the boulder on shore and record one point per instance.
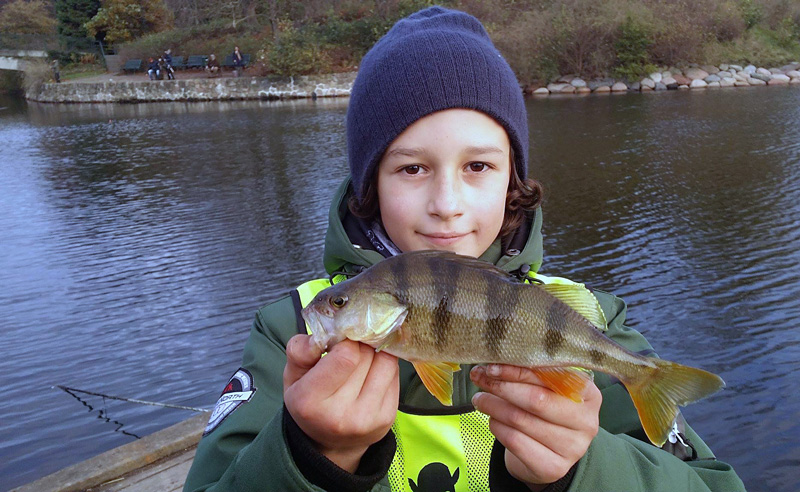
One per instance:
(779, 79)
(696, 73)
(682, 79)
(698, 84)
(602, 89)
(619, 87)
(648, 82)
(541, 91)
(761, 76)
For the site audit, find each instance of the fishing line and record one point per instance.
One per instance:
(129, 400)
(101, 414)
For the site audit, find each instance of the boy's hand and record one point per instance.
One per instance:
(345, 401)
(544, 433)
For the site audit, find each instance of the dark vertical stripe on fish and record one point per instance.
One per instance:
(445, 280)
(499, 312)
(597, 357)
(555, 327)
(399, 271)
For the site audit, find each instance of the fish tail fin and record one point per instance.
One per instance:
(658, 394)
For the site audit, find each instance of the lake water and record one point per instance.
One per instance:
(137, 241)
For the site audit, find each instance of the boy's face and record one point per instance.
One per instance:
(442, 183)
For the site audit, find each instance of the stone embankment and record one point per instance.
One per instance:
(691, 77)
(195, 89)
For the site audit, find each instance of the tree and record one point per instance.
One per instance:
(73, 14)
(125, 20)
(27, 17)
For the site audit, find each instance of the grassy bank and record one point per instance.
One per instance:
(540, 38)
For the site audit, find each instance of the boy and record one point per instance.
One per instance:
(438, 146)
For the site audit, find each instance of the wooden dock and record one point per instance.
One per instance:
(156, 463)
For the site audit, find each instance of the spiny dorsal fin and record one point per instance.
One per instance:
(438, 379)
(465, 261)
(581, 300)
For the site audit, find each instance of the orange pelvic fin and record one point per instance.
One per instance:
(566, 381)
(438, 379)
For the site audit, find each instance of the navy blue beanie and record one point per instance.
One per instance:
(432, 60)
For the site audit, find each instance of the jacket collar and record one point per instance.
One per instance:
(347, 248)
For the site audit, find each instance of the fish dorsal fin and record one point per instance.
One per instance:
(465, 261)
(580, 299)
(438, 379)
(566, 381)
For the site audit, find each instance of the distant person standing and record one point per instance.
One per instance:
(167, 58)
(238, 62)
(212, 65)
(56, 71)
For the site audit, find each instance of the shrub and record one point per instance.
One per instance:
(728, 22)
(293, 53)
(751, 13)
(632, 50)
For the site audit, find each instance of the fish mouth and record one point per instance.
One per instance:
(322, 328)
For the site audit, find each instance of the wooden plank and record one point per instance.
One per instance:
(166, 475)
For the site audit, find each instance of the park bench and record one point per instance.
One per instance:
(196, 61)
(178, 63)
(134, 65)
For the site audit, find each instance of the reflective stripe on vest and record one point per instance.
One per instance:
(436, 452)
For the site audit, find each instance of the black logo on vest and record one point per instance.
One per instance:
(238, 390)
(435, 477)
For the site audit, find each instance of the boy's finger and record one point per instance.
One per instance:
(510, 373)
(301, 355)
(382, 372)
(340, 369)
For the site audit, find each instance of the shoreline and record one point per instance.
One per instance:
(118, 88)
(692, 77)
(111, 88)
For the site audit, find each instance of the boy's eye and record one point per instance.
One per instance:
(411, 169)
(477, 167)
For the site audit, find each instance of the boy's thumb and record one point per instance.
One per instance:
(301, 355)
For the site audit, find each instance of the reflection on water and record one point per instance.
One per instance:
(139, 239)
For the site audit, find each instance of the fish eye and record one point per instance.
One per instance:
(338, 301)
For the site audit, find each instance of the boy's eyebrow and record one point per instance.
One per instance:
(483, 149)
(406, 151)
(472, 150)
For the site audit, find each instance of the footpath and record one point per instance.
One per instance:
(156, 463)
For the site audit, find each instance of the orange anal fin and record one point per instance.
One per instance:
(566, 381)
(438, 379)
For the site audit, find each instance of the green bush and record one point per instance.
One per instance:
(294, 53)
(751, 13)
(631, 48)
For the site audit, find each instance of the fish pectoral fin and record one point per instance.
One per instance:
(581, 300)
(438, 379)
(566, 381)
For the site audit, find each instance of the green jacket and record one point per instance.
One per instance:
(248, 450)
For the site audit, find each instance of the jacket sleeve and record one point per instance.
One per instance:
(248, 450)
(621, 457)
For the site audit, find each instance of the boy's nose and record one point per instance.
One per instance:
(445, 200)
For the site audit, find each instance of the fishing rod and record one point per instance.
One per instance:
(130, 400)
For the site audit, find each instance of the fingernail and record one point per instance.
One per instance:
(476, 398)
(493, 370)
(477, 372)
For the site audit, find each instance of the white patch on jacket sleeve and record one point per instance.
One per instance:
(239, 390)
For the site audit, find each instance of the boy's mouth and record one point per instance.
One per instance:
(443, 238)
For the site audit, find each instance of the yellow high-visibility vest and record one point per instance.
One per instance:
(446, 449)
